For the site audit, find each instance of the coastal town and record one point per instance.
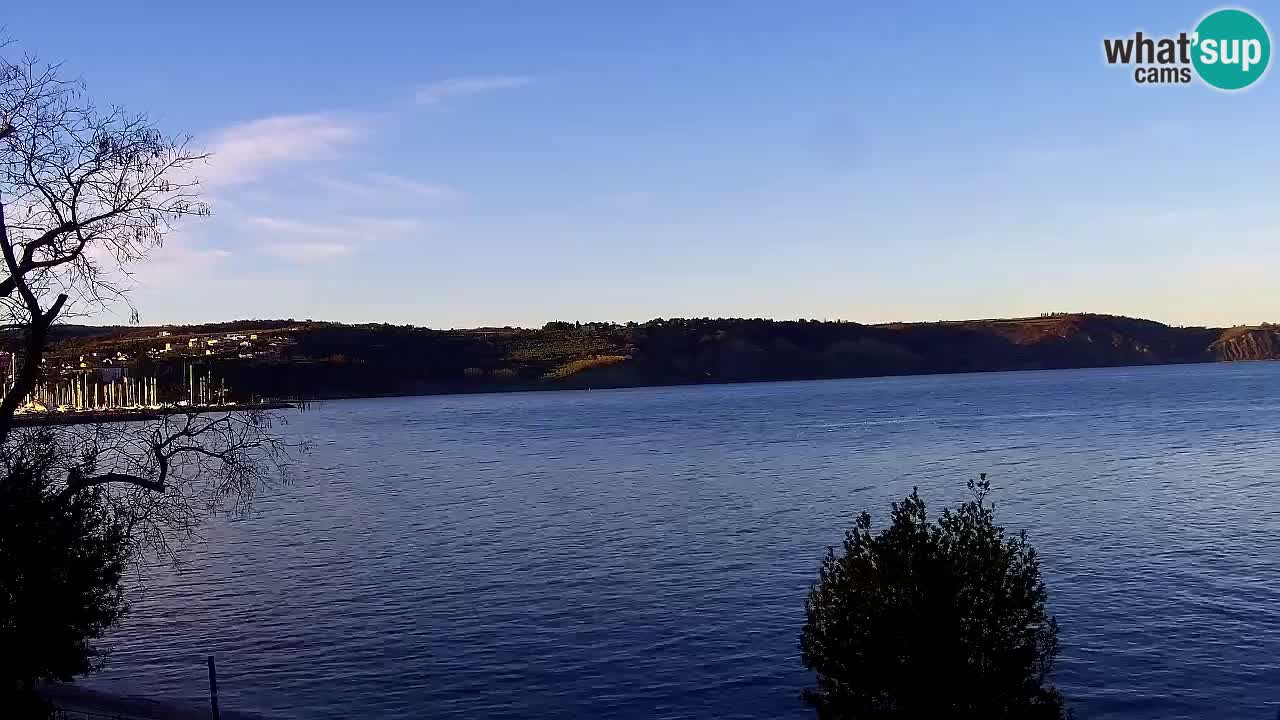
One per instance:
(167, 371)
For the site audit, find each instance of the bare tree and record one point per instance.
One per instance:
(85, 192)
(166, 476)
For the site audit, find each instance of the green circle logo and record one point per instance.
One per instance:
(1232, 49)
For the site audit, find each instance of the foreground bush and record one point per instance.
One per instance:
(61, 561)
(940, 619)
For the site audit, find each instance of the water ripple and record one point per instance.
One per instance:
(645, 553)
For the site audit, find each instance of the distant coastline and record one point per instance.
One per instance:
(520, 389)
(327, 361)
(86, 417)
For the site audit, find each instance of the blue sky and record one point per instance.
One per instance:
(477, 163)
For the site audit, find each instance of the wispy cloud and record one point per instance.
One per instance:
(346, 225)
(415, 187)
(185, 256)
(307, 251)
(316, 240)
(387, 185)
(247, 151)
(467, 86)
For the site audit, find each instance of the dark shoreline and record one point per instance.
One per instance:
(87, 417)
(579, 387)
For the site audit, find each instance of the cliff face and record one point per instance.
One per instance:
(1247, 344)
(306, 359)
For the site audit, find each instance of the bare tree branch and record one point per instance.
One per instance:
(85, 192)
(76, 483)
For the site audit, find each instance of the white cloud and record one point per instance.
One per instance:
(184, 256)
(389, 186)
(467, 86)
(318, 240)
(345, 225)
(307, 251)
(277, 147)
(289, 226)
(415, 187)
(247, 151)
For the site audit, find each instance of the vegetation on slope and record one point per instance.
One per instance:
(317, 359)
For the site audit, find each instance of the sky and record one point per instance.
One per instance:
(485, 163)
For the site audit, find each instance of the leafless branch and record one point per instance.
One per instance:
(166, 475)
(85, 192)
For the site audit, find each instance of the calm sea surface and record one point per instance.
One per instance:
(646, 553)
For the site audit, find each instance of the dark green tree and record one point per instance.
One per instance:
(62, 557)
(942, 619)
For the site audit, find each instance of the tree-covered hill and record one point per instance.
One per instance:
(288, 358)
